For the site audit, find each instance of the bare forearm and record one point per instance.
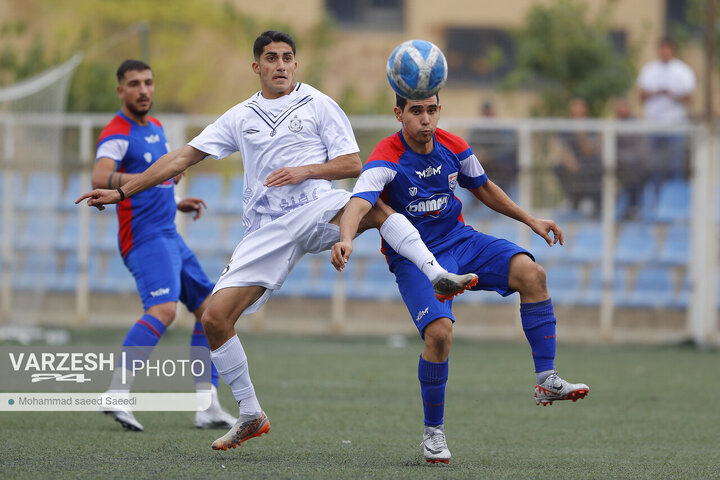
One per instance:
(111, 179)
(494, 197)
(354, 211)
(344, 166)
(166, 167)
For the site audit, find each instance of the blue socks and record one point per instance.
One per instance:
(538, 321)
(146, 332)
(198, 339)
(433, 377)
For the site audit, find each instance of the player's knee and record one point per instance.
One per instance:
(438, 335)
(164, 312)
(533, 280)
(212, 324)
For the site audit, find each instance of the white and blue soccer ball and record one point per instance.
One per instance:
(416, 69)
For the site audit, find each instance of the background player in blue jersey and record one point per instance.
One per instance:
(164, 268)
(416, 172)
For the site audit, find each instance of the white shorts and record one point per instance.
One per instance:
(266, 256)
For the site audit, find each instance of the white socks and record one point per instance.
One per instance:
(231, 362)
(404, 238)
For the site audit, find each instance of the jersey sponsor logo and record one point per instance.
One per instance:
(152, 138)
(412, 191)
(148, 157)
(428, 207)
(429, 172)
(452, 180)
(421, 314)
(159, 292)
(250, 131)
(295, 125)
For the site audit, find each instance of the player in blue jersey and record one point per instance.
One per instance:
(165, 269)
(416, 172)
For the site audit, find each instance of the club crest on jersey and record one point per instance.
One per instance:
(452, 180)
(148, 157)
(412, 191)
(295, 124)
(429, 172)
(152, 138)
(428, 207)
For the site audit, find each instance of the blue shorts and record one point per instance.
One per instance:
(166, 270)
(463, 251)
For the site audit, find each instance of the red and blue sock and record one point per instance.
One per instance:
(538, 321)
(199, 339)
(141, 339)
(433, 378)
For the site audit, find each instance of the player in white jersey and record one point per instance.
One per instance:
(294, 141)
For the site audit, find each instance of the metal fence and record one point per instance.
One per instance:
(638, 204)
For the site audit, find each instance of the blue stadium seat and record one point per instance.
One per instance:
(654, 288)
(313, 277)
(36, 272)
(673, 202)
(66, 280)
(544, 252)
(71, 193)
(67, 239)
(373, 281)
(49, 183)
(587, 243)
(232, 201)
(213, 265)
(676, 246)
(504, 228)
(300, 277)
(592, 293)
(39, 231)
(209, 187)
(235, 233)
(367, 245)
(636, 243)
(103, 229)
(565, 284)
(205, 235)
(117, 278)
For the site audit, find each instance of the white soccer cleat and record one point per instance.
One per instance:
(215, 416)
(244, 429)
(448, 285)
(434, 445)
(555, 388)
(126, 419)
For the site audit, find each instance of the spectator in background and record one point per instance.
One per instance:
(497, 150)
(578, 163)
(666, 87)
(632, 159)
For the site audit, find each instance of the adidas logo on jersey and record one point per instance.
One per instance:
(432, 206)
(429, 172)
(152, 138)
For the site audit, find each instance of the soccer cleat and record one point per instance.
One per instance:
(126, 419)
(434, 445)
(449, 284)
(555, 388)
(243, 430)
(215, 416)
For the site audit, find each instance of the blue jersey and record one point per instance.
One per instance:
(421, 186)
(135, 147)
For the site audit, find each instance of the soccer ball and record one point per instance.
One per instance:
(416, 69)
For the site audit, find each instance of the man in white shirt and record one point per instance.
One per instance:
(666, 87)
(294, 140)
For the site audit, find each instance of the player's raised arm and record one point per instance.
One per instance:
(353, 212)
(166, 167)
(343, 166)
(495, 198)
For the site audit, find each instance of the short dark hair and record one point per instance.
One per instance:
(268, 37)
(131, 65)
(400, 102)
(667, 39)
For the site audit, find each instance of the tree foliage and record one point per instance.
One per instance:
(566, 54)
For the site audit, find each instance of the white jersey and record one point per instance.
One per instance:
(302, 128)
(675, 77)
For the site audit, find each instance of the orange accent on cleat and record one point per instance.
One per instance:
(467, 286)
(445, 461)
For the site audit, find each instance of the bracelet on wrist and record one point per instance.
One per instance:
(122, 194)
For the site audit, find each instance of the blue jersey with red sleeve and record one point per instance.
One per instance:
(135, 147)
(421, 186)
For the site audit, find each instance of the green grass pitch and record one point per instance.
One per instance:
(348, 407)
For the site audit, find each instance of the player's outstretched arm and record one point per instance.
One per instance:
(495, 198)
(166, 167)
(192, 204)
(344, 166)
(353, 212)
